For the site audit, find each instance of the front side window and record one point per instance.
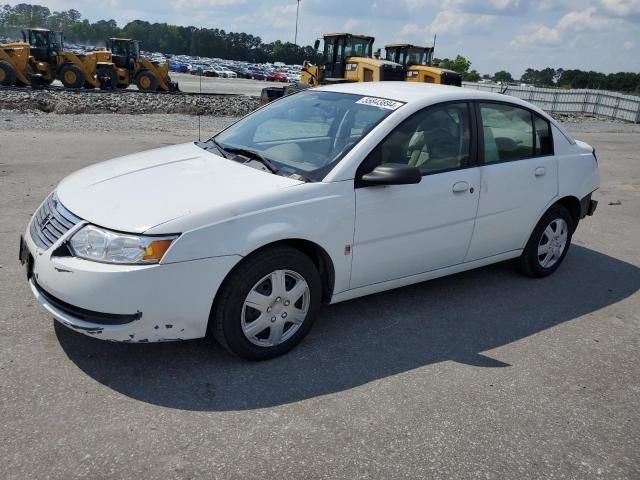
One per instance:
(310, 132)
(509, 133)
(436, 139)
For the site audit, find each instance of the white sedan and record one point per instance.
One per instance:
(323, 196)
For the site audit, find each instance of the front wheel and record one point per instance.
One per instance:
(147, 81)
(548, 244)
(267, 304)
(72, 76)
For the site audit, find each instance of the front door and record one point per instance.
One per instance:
(405, 230)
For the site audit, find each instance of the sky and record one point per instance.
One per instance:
(512, 35)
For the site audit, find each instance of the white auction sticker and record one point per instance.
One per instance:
(380, 102)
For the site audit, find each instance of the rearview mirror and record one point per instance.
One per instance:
(316, 45)
(392, 174)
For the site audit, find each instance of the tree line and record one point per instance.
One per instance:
(155, 37)
(218, 43)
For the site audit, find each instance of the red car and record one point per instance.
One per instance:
(277, 77)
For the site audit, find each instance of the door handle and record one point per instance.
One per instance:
(540, 171)
(459, 187)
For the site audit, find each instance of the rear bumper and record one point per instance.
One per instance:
(587, 206)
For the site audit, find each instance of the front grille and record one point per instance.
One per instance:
(393, 73)
(51, 222)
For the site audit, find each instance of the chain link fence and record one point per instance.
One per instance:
(602, 103)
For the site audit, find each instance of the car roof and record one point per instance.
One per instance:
(425, 94)
(410, 92)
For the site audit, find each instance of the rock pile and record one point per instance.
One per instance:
(70, 101)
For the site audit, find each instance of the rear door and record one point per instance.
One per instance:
(519, 177)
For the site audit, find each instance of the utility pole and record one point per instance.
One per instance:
(295, 40)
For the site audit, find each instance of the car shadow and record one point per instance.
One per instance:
(450, 319)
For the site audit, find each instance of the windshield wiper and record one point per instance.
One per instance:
(212, 143)
(251, 154)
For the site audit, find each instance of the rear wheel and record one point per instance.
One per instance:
(72, 76)
(267, 304)
(147, 81)
(7, 74)
(548, 244)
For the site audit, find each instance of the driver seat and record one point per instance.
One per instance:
(434, 145)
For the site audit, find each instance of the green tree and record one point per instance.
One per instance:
(502, 76)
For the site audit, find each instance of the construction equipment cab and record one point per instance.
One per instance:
(345, 58)
(419, 65)
(349, 58)
(130, 67)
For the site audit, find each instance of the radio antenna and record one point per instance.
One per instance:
(199, 111)
(200, 96)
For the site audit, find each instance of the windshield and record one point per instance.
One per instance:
(416, 56)
(308, 133)
(358, 48)
(120, 48)
(408, 56)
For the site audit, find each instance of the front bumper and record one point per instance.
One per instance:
(146, 303)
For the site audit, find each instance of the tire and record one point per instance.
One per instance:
(147, 81)
(7, 74)
(273, 335)
(549, 243)
(72, 76)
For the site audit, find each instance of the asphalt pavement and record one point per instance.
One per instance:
(486, 374)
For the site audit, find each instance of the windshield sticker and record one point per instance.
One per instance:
(380, 102)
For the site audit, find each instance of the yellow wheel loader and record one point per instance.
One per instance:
(49, 61)
(345, 58)
(129, 67)
(418, 63)
(14, 64)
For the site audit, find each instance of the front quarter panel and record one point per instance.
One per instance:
(322, 213)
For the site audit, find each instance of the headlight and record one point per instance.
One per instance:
(100, 245)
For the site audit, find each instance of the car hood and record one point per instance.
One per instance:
(140, 191)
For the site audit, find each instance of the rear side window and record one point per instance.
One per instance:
(544, 144)
(513, 133)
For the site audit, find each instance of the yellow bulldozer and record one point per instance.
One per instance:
(418, 62)
(130, 67)
(346, 58)
(40, 59)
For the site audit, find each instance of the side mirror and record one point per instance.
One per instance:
(316, 45)
(392, 174)
(24, 37)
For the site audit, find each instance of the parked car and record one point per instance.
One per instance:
(257, 74)
(323, 196)
(178, 67)
(279, 77)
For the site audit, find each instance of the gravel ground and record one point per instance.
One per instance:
(482, 375)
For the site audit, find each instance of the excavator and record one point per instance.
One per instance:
(130, 67)
(418, 62)
(346, 58)
(46, 61)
